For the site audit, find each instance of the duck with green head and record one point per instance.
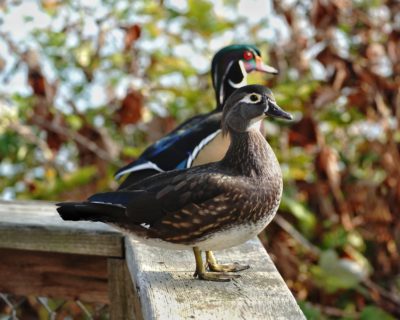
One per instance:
(198, 140)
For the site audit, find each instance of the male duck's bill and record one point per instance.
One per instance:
(257, 64)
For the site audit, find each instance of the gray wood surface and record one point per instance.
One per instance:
(163, 280)
(35, 225)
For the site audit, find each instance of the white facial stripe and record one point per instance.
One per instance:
(221, 88)
(244, 80)
(242, 68)
(252, 98)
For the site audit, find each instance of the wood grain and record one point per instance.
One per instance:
(123, 302)
(57, 275)
(36, 225)
(164, 282)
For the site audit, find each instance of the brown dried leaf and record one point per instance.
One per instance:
(54, 139)
(131, 109)
(393, 48)
(37, 82)
(358, 98)
(86, 156)
(324, 14)
(327, 166)
(303, 133)
(132, 33)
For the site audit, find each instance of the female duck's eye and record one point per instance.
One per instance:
(247, 55)
(254, 98)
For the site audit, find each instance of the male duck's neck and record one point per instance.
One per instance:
(232, 81)
(227, 91)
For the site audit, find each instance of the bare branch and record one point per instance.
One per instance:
(78, 138)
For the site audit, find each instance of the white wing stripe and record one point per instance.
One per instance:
(201, 146)
(143, 166)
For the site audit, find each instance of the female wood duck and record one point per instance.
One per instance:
(208, 207)
(198, 140)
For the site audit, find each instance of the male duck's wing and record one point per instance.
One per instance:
(175, 150)
(193, 121)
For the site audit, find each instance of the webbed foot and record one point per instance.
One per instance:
(231, 267)
(202, 274)
(217, 276)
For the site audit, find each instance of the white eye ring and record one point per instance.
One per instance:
(252, 98)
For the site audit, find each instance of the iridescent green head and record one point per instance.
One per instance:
(230, 67)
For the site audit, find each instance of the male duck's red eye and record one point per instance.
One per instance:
(247, 55)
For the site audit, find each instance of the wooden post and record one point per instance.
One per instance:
(124, 304)
(51, 274)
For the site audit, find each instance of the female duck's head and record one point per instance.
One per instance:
(247, 106)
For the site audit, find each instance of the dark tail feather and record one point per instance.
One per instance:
(91, 211)
(121, 198)
(118, 197)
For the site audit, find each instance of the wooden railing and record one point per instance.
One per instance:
(41, 254)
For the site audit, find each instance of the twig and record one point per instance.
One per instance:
(77, 137)
(27, 133)
(383, 292)
(285, 225)
(335, 312)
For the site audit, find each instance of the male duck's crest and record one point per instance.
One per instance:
(230, 67)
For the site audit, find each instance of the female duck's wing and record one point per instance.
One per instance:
(172, 192)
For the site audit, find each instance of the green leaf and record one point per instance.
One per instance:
(201, 18)
(10, 143)
(334, 273)
(334, 238)
(83, 54)
(306, 218)
(132, 152)
(75, 121)
(310, 311)
(373, 313)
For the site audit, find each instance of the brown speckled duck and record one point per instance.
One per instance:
(210, 207)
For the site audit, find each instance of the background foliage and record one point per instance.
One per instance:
(85, 87)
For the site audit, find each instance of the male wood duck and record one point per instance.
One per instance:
(198, 140)
(209, 207)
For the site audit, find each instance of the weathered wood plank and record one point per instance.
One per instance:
(166, 288)
(35, 225)
(123, 303)
(57, 275)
